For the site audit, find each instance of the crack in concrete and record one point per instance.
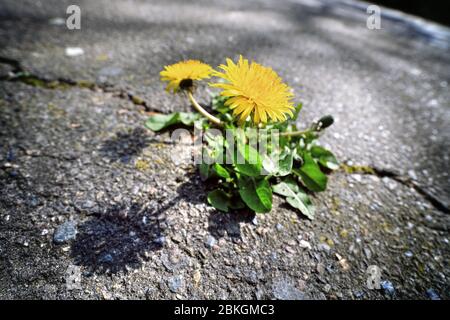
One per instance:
(19, 74)
(402, 179)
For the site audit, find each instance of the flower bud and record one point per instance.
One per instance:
(323, 123)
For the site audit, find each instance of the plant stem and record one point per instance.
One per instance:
(295, 133)
(203, 111)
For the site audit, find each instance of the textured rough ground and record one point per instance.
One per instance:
(81, 154)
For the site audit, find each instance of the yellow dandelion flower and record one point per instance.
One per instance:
(254, 89)
(181, 75)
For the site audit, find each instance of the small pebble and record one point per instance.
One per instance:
(74, 51)
(324, 247)
(284, 289)
(160, 240)
(320, 268)
(305, 244)
(175, 283)
(87, 204)
(197, 277)
(210, 242)
(412, 174)
(65, 232)
(388, 287)
(368, 253)
(433, 295)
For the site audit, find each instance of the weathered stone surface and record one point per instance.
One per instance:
(82, 154)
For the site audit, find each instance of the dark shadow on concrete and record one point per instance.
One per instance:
(112, 242)
(118, 238)
(125, 145)
(221, 224)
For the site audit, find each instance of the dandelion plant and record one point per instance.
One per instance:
(250, 147)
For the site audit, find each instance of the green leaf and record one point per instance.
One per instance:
(285, 163)
(218, 104)
(305, 206)
(325, 157)
(295, 197)
(264, 192)
(298, 108)
(214, 140)
(280, 169)
(214, 149)
(256, 193)
(236, 203)
(286, 188)
(188, 118)
(247, 160)
(161, 121)
(158, 122)
(218, 199)
(312, 177)
(221, 171)
(202, 124)
(269, 165)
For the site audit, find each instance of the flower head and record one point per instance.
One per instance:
(254, 89)
(181, 75)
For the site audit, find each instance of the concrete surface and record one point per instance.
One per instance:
(139, 227)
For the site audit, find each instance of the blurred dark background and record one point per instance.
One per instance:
(434, 10)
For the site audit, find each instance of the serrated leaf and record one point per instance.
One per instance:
(248, 161)
(305, 208)
(269, 165)
(160, 121)
(285, 163)
(188, 118)
(278, 166)
(295, 197)
(286, 188)
(215, 147)
(256, 193)
(218, 199)
(310, 174)
(325, 157)
(221, 171)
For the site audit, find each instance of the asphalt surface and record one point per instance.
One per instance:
(77, 165)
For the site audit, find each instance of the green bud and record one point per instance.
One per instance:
(324, 122)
